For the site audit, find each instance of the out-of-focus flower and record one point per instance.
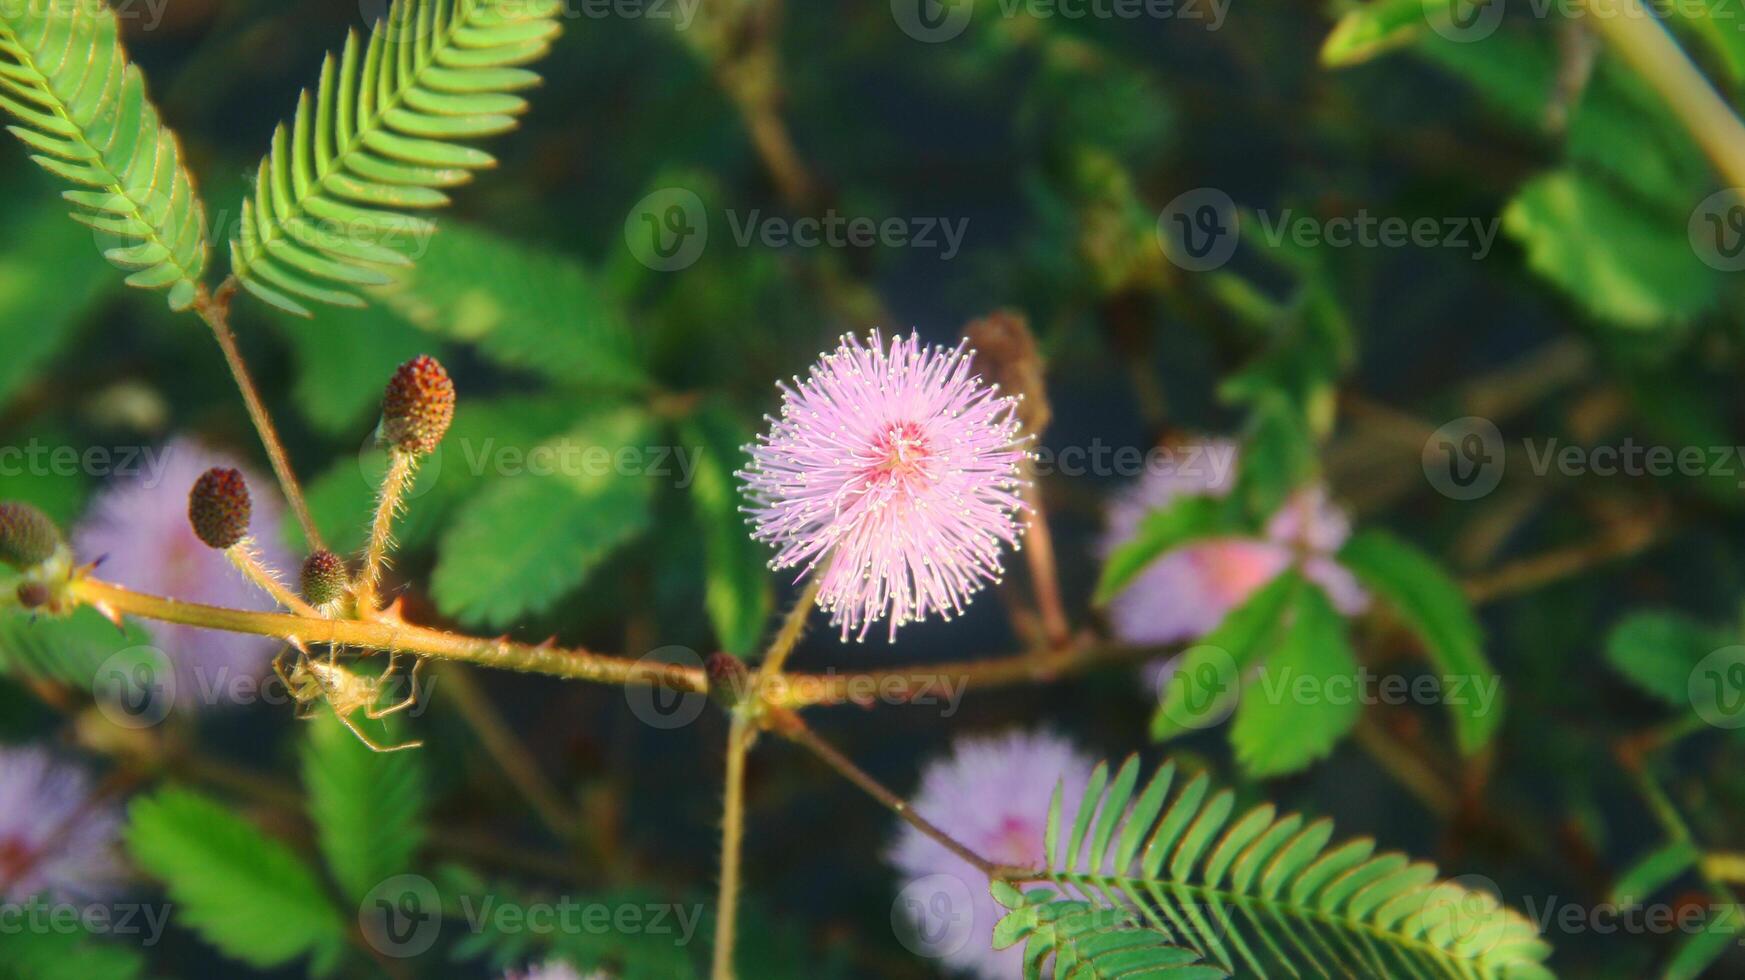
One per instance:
(991, 794)
(139, 529)
(895, 471)
(57, 841)
(553, 970)
(1187, 592)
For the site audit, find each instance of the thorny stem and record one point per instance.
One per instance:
(789, 635)
(215, 310)
(244, 556)
(739, 737)
(398, 480)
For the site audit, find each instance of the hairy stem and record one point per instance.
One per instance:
(215, 310)
(244, 556)
(1638, 37)
(1044, 573)
(402, 466)
(793, 627)
(739, 736)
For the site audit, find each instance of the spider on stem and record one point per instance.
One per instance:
(310, 680)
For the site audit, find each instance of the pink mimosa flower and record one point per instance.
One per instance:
(58, 841)
(1186, 593)
(894, 472)
(992, 795)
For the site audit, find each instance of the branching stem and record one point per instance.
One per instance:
(739, 737)
(244, 556)
(215, 310)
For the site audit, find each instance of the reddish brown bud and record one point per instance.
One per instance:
(33, 595)
(324, 578)
(418, 405)
(218, 507)
(27, 536)
(729, 679)
(1006, 355)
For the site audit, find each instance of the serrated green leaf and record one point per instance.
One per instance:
(1626, 264)
(68, 649)
(1658, 650)
(244, 892)
(1185, 520)
(737, 591)
(367, 807)
(521, 306)
(36, 954)
(1209, 675)
(1276, 730)
(522, 543)
(1432, 605)
(64, 73)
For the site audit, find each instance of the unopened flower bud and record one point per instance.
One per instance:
(1006, 355)
(218, 507)
(33, 595)
(418, 405)
(729, 679)
(27, 536)
(324, 578)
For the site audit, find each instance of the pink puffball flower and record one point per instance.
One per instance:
(992, 795)
(58, 841)
(138, 528)
(1187, 592)
(895, 471)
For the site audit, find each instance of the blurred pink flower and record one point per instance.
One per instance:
(896, 471)
(1187, 592)
(57, 841)
(139, 529)
(992, 795)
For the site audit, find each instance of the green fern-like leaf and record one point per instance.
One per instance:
(83, 108)
(1263, 894)
(1089, 942)
(367, 807)
(381, 136)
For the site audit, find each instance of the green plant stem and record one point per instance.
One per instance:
(739, 736)
(793, 627)
(1638, 37)
(215, 310)
(396, 482)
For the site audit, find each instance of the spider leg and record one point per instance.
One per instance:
(368, 742)
(410, 699)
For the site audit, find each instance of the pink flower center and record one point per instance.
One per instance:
(901, 454)
(15, 859)
(1016, 842)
